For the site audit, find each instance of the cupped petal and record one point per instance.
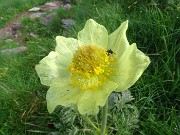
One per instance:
(118, 42)
(92, 99)
(129, 68)
(93, 34)
(52, 67)
(104, 91)
(66, 46)
(62, 93)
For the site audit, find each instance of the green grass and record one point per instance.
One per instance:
(9, 8)
(153, 25)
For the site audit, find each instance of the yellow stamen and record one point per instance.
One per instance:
(90, 67)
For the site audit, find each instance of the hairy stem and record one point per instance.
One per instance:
(104, 118)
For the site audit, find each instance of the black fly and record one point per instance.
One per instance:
(109, 52)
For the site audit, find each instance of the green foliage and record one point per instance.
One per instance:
(124, 116)
(14, 7)
(153, 25)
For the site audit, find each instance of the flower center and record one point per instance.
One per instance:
(91, 66)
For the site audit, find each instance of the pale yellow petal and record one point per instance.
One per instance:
(66, 46)
(88, 104)
(92, 99)
(62, 93)
(118, 42)
(52, 67)
(93, 34)
(130, 67)
(104, 91)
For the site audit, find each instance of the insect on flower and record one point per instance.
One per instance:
(109, 52)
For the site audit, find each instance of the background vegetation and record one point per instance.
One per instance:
(153, 25)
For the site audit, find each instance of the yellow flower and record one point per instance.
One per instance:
(83, 72)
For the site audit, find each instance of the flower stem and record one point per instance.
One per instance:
(104, 118)
(92, 124)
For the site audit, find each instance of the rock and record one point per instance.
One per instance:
(49, 6)
(47, 19)
(16, 35)
(14, 50)
(68, 22)
(35, 9)
(37, 15)
(33, 35)
(16, 26)
(8, 40)
(67, 6)
(5, 32)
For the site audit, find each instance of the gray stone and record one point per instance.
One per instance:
(49, 6)
(16, 26)
(67, 6)
(33, 35)
(8, 40)
(68, 22)
(35, 9)
(37, 15)
(47, 19)
(14, 50)
(5, 32)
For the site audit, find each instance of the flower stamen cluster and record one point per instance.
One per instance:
(90, 67)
